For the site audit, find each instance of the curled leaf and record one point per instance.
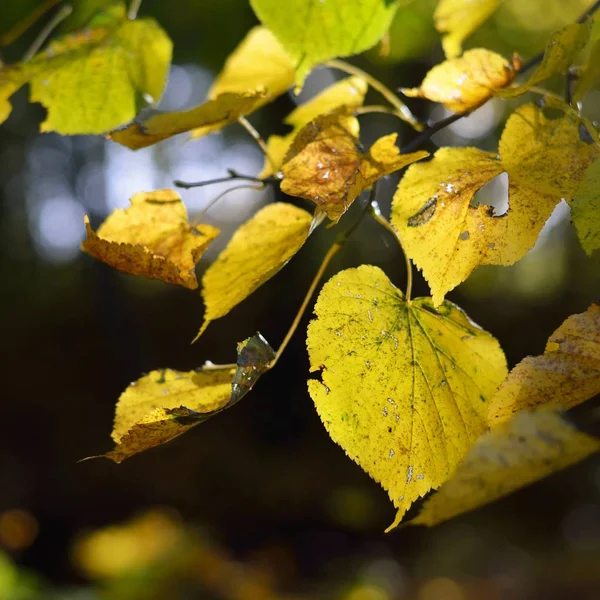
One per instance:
(151, 238)
(532, 445)
(166, 403)
(567, 374)
(256, 252)
(458, 19)
(75, 76)
(326, 165)
(403, 387)
(462, 84)
(447, 237)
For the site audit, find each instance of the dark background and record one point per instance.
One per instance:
(263, 479)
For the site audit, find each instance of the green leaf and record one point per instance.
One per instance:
(585, 208)
(95, 79)
(403, 387)
(313, 31)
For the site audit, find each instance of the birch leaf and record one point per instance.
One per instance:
(585, 208)
(326, 165)
(560, 53)
(166, 403)
(589, 76)
(529, 447)
(447, 237)
(403, 387)
(313, 32)
(256, 252)
(458, 19)
(151, 238)
(567, 374)
(92, 81)
(462, 84)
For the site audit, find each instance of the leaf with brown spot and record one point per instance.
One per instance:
(462, 84)
(567, 374)
(151, 238)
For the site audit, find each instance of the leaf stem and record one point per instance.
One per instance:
(45, 33)
(375, 108)
(259, 140)
(375, 212)
(401, 110)
(134, 7)
(244, 186)
(22, 26)
(232, 175)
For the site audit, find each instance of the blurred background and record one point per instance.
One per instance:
(257, 502)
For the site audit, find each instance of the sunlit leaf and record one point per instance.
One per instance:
(151, 238)
(206, 118)
(458, 19)
(560, 53)
(567, 374)
(166, 403)
(93, 80)
(345, 94)
(447, 237)
(256, 252)
(532, 445)
(403, 387)
(326, 165)
(313, 32)
(585, 208)
(464, 83)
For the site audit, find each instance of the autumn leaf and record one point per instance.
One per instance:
(403, 387)
(447, 237)
(458, 19)
(166, 403)
(462, 84)
(585, 208)
(326, 165)
(567, 374)
(92, 81)
(257, 251)
(560, 53)
(313, 32)
(257, 72)
(588, 78)
(532, 445)
(342, 96)
(151, 238)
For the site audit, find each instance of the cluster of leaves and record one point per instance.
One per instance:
(414, 392)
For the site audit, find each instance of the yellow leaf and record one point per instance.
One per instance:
(560, 53)
(458, 19)
(567, 374)
(447, 237)
(585, 208)
(91, 80)
(206, 118)
(462, 84)
(345, 94)
(589, 76)
(152, 238)
(166, 403)
(403, 387)
(532, 445)
(256, 252)
(325, 163)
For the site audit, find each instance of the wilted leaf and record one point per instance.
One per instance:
(345, 94)
(462, 84)
(567, 374)
(560, 53)
(532, 445)
(326, 165)
(256, 252)
(404, 387)
(166, 403)
(585, 208)
(458, 19)
(152, 238)
(93, 80)
(447, 237)
(313, 32)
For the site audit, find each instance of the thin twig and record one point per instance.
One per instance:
(245, 186)
(22, 26)
(45, 33)
(134, 7)
(375, 108)
(261, 143)
(232, 175)
(375, 212)
(402, 110)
